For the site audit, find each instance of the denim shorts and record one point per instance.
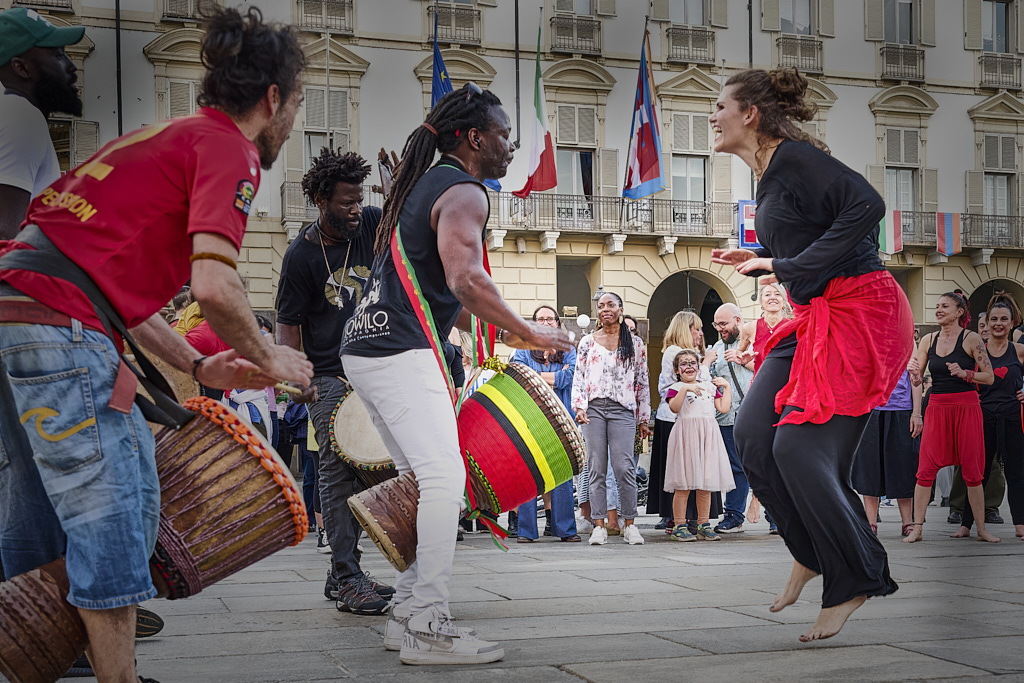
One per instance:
(77, 478)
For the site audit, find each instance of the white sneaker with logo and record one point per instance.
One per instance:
(432, 638)
(398, 620)
(632, 535)
(599, 536)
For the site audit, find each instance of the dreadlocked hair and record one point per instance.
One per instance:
(452, 117)
(330, 168)
(1003, 300)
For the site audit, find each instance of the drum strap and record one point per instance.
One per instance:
(426, 319)
(47, 259)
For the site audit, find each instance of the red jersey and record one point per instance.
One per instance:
(127, 215)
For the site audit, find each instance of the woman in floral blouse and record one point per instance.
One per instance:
(611, 397)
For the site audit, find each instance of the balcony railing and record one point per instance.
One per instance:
(993, 232)
(294, 206)
(918, 228)
(999, 70)
(64, 5)
(803, 52)
(580, 213)
(903, 62)
(576, 35)
(456, 24)
(691, 44)
(335, 15)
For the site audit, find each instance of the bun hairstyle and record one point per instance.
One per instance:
(779, 97)
(958, 298)
(244, 56)
(1003, 300)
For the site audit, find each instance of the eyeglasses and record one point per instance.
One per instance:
(720, 326)
(546, 320)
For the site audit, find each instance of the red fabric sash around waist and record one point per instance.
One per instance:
(853, 344)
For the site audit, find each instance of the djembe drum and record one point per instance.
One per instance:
(356, 441)
(519, 441)
(226, 501)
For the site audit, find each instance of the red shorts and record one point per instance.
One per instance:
(953, 435)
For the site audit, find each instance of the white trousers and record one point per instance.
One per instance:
(407, 398)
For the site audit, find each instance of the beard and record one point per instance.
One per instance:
(729, 336)
(270, 139)
(55, 95)
(338, 227)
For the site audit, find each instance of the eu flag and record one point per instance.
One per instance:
(440, 84)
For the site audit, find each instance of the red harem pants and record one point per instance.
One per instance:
(953, 434)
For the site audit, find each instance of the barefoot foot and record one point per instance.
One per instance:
(914, 536)
(962, 532)
(985, 537)
(798, 578)
(1019, 530)
(831, 619)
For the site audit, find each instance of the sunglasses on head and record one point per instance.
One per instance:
(471, 89)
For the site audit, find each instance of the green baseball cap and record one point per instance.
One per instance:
(22, 29)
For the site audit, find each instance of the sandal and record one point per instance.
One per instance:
(874, 529)
(524, 539)
(907, 528)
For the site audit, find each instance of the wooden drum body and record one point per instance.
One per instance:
(356, 441)
(519, 442)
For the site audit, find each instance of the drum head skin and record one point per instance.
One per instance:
(357, 437)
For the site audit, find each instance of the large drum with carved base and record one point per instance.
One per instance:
(356, 441)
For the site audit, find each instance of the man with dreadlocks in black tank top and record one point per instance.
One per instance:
(433, 221)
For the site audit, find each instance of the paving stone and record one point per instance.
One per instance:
(329, 637)
(998, 655)
(472, 674)
(807, 608)
(251, 668)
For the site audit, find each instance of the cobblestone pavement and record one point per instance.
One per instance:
(664, 611)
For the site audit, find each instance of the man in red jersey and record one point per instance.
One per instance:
(175, 194)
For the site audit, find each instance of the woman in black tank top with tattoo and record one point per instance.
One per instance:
(1001, 409)
(953, 433)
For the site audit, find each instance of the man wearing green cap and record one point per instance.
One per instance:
(38, 80)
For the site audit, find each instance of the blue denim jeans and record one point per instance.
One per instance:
(77, 478)
(735, 500)
(563, 516)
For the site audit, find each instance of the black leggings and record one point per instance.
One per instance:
(802, 475)
(1010, 445)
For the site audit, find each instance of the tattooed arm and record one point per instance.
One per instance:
(976, 349)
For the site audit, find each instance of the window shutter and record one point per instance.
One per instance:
(719, 13)
(771, 19)
(928, 22)
(876, 178)
(660, 10)
(874, 26)
(666, 171)
(86, 138)
(972, 25)
(991, 153)
(929, 190)
(566, 129)
(681, 132)
(294, 156)
(179, 99)
(608, 168)
(564, 6)
(606, 8)
(1009, 153)
(1019, 9)
(701, 130)
(893, 146)
(339, 109)
(810, 127)
(723, 178)
(315, 108)
(487, 3)
(911, 146)
(586, 125)
(340, 141)
(975, 192)
(827, 18)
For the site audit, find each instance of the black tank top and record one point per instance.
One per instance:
(942, 381)
(1000, 397)
(384, 322)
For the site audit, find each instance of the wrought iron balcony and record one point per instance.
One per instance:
(803, 52)
(992, 232)
(335, 15)
(576, 34)
(1000, 70)
(903, 62)
(918, 228)
(691, 44)
(581, 213)
(456, 24)
(59, 5)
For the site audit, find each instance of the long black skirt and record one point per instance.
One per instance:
(886, 460)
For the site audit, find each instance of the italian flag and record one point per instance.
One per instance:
(542, 152)
(890, 235)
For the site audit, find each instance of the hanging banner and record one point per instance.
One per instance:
(748, 237)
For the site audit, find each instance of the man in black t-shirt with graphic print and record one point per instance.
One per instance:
(322, 278)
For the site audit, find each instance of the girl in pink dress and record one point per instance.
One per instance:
(697, 459)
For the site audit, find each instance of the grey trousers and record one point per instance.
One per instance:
(609, 436)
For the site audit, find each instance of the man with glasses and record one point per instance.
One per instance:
(738, 370)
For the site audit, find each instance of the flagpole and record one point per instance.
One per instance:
(644, 55)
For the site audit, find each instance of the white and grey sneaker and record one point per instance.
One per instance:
(398, 620)
(599, 536)
(322, 544)
(432, 638)
(632, 535)
(583, 526)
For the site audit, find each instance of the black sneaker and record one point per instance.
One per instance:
(143, 679)
(993, 517)
(382, 589)
(80, 669)
(513, 524)
(331, 587)
(547, 523)
(730, 525)
(322, 545)
(147, 623)
(954, 517)
(357, 596)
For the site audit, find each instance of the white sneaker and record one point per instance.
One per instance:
(432, 638)
(394, 629)
(632, 535)
(583, 526)
(599, 536)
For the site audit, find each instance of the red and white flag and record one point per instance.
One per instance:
(542, 151)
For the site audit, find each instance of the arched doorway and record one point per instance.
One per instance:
(688, 289)
(980, 297)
